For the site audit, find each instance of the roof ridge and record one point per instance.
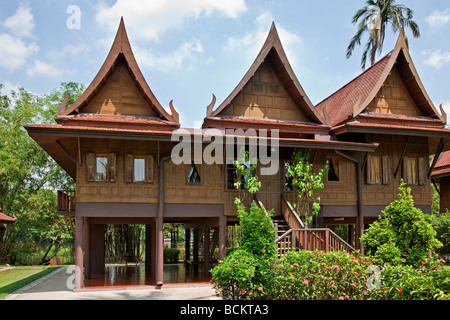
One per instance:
(388, 55)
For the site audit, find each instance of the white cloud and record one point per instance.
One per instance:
(438, 19)
(169, 62)
(255, 39)
(436, 58)
(70, 49)
(148, 19)
(21, 23)
(14, 52)
(47, 70)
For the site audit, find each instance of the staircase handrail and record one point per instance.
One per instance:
(329, 234)
(290, 215)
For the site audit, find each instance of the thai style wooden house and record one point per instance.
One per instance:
(4, 220)
(441, 181)
(117, 142)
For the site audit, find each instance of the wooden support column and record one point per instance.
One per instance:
(87, 244)
(97, 249)
(79, 279)
(360, 218)
(159, 257)
(196, 248)
(222, 237)
(187, 245)
(148, 248)
(206, 245)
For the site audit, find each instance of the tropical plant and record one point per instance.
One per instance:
(403, 234)
(375, 18)
(246, 272)
(305, 183)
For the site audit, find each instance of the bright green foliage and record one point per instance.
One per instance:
(404, 234)
(247, 270)
(374, 18)
(28, 175)
(235, 276)
(305, 183)
(404, 282)
(441, 223)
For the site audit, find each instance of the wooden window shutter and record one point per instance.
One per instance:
(129, 167)
(149, 168)
(369, 176)
(405, 170)
(91, 167)
(423, 171)
(112, 166)
(386, 167)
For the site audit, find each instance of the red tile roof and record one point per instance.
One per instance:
(442, 167)
(339, 105)
(110, 121)
(352, 99)
(6, 219)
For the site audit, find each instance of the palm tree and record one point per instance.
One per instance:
(375, 17)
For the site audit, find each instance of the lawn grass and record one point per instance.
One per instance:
(18, 277)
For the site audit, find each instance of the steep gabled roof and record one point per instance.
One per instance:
(352, 99)
(273, 50)
(121, 49)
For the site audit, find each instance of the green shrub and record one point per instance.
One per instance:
(403, 234)
(441, 224)
(171, 255)
(234, 277)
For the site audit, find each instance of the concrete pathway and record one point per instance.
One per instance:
(54, 287)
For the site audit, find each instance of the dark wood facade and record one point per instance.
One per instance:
(116, 142)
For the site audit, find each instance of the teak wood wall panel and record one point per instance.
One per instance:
(119, 96)
(265, 97)
(393, 98)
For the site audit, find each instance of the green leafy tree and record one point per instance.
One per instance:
(374, 18)
(403, 235)
(28, 175)
(305, 183)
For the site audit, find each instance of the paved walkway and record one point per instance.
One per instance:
(54, 287)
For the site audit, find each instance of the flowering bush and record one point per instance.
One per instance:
(307, 275)
(404, 282)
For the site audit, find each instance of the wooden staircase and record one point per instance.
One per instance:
(297, 237)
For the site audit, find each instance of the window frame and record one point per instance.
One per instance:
(198, 169)
(130, 168)
(92, 167)
(336, 159)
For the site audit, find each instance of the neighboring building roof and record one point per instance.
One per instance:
(354, 98)
(120, 50)
(273, 51)
(442, 168)
(6, 219)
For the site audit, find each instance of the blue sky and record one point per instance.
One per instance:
(188, 50)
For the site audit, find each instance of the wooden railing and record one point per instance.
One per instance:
(289, 214)
(322, 239)
(66, 201)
